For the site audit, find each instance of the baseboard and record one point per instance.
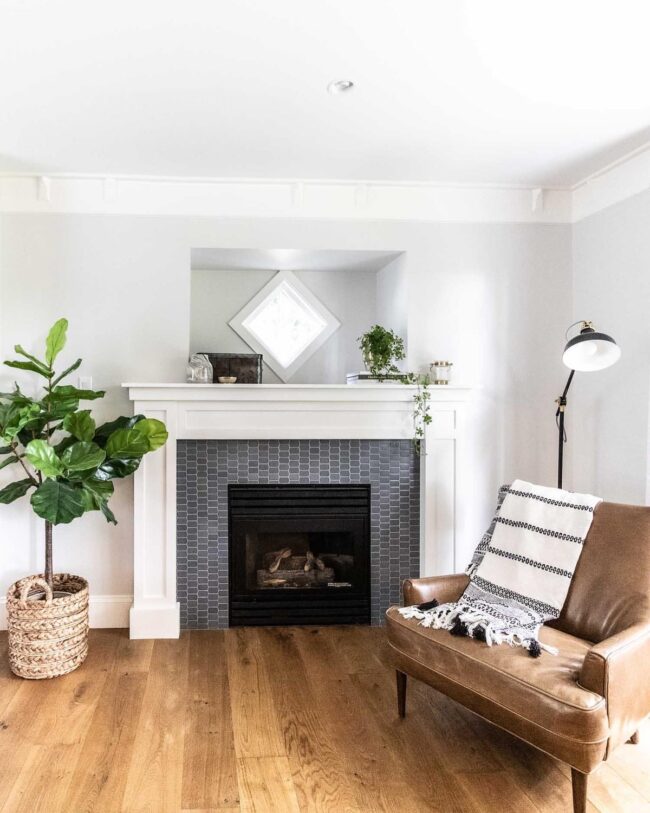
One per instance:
(155, 621)
(105, 611)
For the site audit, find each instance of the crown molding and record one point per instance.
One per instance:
(326, 198)
(287, 198)
(613, 183)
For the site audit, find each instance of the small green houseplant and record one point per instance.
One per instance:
(67, 464)
(381, 349)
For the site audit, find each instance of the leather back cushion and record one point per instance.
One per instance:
(610, 590)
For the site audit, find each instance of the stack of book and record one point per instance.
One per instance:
(364, 377)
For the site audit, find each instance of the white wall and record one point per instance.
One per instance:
(392, 298)
(218, 295)
(608, 432)
(487, 296)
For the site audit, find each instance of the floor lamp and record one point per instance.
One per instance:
(586, 352)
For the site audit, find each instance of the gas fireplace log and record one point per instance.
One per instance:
(288, 561)
(279, 556)
(294, 578)
(337, 559)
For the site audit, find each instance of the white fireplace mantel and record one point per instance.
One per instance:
(280, 412)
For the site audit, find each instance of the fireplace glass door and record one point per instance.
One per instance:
(299, 554)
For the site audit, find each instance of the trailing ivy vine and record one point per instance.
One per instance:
(382, 349)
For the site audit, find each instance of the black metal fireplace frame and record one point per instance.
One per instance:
(316, 502)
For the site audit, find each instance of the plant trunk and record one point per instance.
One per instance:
(49, 574)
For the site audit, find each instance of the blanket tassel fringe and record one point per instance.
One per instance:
(466, 621)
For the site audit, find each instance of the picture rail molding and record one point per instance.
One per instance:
(282, 198)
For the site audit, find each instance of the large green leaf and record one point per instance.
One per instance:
(31, 366)
(13, 417)
(115, 469)
(65, 392)
(15, 490)
(8, 461)
(65, 399)
(96, 493)
(17, 397)
(82, 456)
(55, 341)
(64, 444)
(66, 372)
(21, 351)
(106, 511)
(57, 502)
(106, 429)
(80, 424)
(43, 457)
(155, 431)
(125, 444)
(102, 489)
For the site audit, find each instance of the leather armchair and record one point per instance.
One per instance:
(579, 705)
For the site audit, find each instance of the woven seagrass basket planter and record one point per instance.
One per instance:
(48, 636)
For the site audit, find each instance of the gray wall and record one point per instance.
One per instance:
(490, 297)
(609, 409)
(219, 295)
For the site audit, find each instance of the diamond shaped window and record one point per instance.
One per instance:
(286, 323)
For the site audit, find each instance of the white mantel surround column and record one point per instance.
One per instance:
(280, 412)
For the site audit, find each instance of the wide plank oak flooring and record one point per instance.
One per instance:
(284, 719)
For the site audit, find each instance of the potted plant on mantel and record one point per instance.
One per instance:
(382, 349)
(68, 464)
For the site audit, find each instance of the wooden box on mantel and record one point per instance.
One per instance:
(247, 367)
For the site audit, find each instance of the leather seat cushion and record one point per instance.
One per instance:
(538, 699)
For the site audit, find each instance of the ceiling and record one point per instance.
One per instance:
(289, 259)
(458, 91)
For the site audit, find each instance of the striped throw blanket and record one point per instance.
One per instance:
(521, 571)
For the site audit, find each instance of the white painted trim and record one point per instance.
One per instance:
(107, 611)
(155, 622)
(620, 180)
(277, 412)
(330, 198)
(282, 197)
(310, 301)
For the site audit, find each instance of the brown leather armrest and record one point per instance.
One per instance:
(442, 588)
(617, 669)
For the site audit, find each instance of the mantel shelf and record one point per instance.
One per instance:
(351, 393)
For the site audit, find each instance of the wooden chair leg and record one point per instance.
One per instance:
(635, 739)
(401, 693)
(579, 783)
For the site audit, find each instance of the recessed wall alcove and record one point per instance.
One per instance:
(358, 287)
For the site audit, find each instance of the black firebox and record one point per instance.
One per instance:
(299, 554)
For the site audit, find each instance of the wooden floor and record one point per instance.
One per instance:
(284, 719)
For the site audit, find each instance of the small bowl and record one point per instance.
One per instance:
(227, 379)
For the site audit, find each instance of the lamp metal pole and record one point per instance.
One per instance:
(559, 417)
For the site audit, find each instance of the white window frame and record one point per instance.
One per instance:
(332, 324)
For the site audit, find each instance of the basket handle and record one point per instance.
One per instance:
(36, 581)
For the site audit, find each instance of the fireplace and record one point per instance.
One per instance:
(299, 554)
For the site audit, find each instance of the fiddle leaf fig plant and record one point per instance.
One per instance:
(65, 461)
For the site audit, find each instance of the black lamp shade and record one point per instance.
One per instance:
(591, 351)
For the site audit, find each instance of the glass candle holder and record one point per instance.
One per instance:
(440, 372)
(199, 370)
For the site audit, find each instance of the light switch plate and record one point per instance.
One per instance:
(85, 382)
